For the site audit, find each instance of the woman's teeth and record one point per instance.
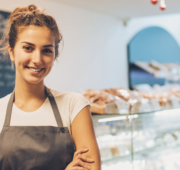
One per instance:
(36, 70)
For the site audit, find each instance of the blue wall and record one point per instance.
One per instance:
(154, 43)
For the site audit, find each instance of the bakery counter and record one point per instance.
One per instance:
(143, 98)
(139, 140)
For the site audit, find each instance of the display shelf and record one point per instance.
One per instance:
(156, 150)
(141, 152)
(146, 135)
(125, 157)
(107, 115)
(116, 159)
(166, 158)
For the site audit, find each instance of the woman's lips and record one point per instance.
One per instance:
(33, 69)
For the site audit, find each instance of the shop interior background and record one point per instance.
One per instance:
(97, 55)
(96, 34)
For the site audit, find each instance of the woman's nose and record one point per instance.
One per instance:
(37, 57)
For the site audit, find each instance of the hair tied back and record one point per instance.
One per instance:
(32, 8)
(24, 17)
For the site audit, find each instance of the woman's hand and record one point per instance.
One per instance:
(79, 161)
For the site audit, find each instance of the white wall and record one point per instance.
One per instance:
(169, 22)
(94, 55)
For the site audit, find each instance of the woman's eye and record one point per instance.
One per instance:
(28, 48)
(47, 51)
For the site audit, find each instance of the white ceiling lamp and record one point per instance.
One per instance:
(162, 4)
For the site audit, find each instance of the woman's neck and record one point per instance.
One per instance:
(25, 92)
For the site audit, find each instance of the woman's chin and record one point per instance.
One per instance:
(34, 81)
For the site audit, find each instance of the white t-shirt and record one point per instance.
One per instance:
(69, 105)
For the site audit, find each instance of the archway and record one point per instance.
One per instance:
(152, 43)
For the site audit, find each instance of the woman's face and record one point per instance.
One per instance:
(33, 54)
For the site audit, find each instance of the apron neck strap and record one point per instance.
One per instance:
(9, 111)
(54, 107)
(52, 102)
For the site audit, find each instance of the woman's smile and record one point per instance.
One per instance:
(34, 70)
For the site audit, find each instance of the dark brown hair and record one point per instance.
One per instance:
(22, 17)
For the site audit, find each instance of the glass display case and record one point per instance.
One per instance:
(142, 141)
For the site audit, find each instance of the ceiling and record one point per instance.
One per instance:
(125, 9)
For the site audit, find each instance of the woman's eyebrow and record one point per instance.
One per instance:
(28, 43)
(49, 45)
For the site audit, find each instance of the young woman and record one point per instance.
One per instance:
(40, 128)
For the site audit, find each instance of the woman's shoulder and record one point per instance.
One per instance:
(70, 99)
(67, 95)
(70, 102)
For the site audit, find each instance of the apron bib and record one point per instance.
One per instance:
(35, 147)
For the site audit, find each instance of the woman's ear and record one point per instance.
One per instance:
(11, 54)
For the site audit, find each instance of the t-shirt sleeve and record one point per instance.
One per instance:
(78, 102)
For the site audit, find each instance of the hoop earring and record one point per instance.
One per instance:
(12, 65)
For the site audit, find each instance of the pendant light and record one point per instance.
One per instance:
(154, 1)
(162, 5)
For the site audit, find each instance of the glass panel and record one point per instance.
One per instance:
(156, 140)
(113, 133)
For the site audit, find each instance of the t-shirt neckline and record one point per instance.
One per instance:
(23, 113)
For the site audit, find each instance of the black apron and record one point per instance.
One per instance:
(35, 147)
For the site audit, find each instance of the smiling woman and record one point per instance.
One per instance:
(34, 134)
